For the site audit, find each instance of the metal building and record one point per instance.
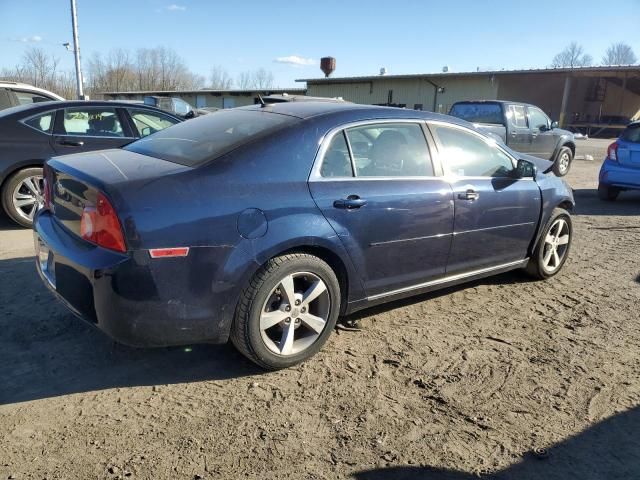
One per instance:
(587, 99)
(206, 97)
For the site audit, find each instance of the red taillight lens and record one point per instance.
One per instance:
(47, 193)
(612, 151)
(100, 225)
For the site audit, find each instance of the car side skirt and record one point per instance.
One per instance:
(437, 284)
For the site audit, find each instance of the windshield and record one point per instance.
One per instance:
(478, 112)
(205, 138)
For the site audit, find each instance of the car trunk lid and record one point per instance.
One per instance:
(76, 181)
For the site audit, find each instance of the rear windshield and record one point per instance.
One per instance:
(478, 112)
(204, 138)
(631, 134)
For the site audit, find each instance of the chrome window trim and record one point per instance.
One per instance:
(53, 119)
(79, 135)
(326, 139)
(487, 140)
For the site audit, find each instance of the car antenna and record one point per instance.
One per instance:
(261, 100)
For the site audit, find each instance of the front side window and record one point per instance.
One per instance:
(25, 98)
(148, 122)
(537, 119)
(93, 122)
(336, 162)
(517, 116)
(390, 150)
(42, 122)
(465, 154)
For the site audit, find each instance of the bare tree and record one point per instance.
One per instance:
(260, 79)
(619, 54)
(245, 80)
(220, 78)
(572, 56)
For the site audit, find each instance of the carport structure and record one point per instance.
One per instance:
(585, 99)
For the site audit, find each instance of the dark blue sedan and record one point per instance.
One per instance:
(264, 224)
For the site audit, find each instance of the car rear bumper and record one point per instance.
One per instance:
(136, 300)
(616, 175)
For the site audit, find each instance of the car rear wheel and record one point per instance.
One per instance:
(22, 195)
(287, 312)
(608, 193)
(563, 162)
(553, 249)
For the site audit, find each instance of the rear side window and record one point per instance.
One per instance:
(478, 112)
(93, 122)
(42, 122)
(25, 98)
(631, 134)
(336, 161)
(204, 138)
(517, 116)
(148, 122)
(390, 150)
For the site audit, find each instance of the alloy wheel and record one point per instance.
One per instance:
(563, 162)
(556, 244)
(295, 313)
(28, 196)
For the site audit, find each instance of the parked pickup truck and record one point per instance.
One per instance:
(525, 128)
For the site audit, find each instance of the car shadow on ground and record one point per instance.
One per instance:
(607, 450)
(7, 224)
(588, 203)
(45, 351)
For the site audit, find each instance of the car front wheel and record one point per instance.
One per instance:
(287, 312)
(563, 162)
(22, 194)
(553, 249)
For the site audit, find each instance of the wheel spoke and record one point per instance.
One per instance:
(313, 292)
(563, 240)
(549, 238)
(286, 285)
(547, 257)
(556, 258)
(286, 342)
(31, 185)
(269, 319)
(314, 323)
(24, 201)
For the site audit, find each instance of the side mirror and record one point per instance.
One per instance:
(146, 131)
(554, 124)
(525, 169)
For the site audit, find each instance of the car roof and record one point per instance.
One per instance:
(311, 109)
(26, 86)
(499, 102)
(54, 105)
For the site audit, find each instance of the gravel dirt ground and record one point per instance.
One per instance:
(502, 378)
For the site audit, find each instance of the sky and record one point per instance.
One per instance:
(289, 37)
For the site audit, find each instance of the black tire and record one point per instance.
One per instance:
(246, 333)
(7, 194)
(607, 192)
(536, 266)
(562, 163)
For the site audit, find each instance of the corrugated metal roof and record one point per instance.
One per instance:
(368, 78)
(264, 91)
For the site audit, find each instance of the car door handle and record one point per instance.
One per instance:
(350, 203)
(469, 195)
(71, 143)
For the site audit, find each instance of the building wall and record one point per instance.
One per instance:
(411, 92)
(545, 91)
(210, 100)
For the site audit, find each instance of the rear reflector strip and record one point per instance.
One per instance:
(169, 252)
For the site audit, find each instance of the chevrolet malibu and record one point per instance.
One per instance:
(266, 223)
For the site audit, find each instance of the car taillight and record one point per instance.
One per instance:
(46, 186)
(612, 152)
(100, 225)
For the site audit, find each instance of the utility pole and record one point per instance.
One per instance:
(76, 49)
